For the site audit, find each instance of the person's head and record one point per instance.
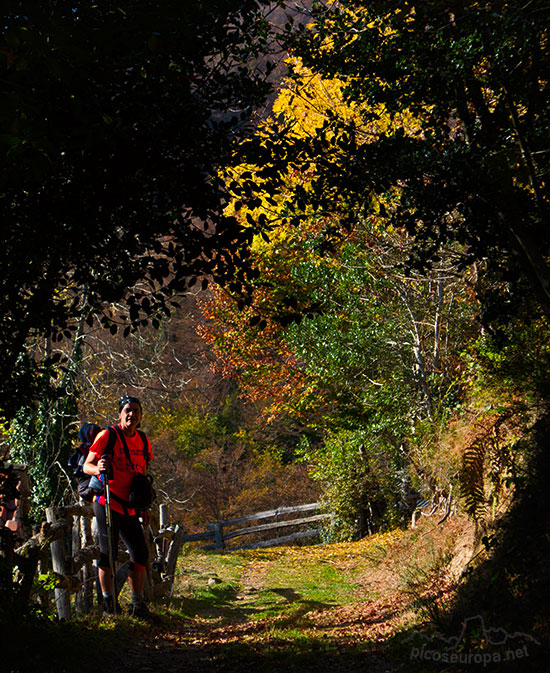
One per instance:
(129, 413)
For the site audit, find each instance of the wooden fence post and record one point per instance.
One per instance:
(84, 597)
(218, 535)
(163, 516)
(88, 578)
(172, 555)
(75, 547)
(163, 525)
(62, 596)
(148, 586)
(95, 570)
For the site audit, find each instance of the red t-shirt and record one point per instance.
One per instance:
(123, 472)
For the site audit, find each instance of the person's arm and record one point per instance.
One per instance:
(94, 464)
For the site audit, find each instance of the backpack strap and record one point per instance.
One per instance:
(109, 449)
(122, 502)
(122, 438)
(124, 446)
(145, 446)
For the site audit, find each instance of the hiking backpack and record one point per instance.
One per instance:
(87, 434)
(89, 485)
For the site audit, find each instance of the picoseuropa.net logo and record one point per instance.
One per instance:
(480, 657)
(497, 646)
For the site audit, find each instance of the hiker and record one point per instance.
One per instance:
(130, 454)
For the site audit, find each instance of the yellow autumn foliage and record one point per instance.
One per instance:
(305, 103)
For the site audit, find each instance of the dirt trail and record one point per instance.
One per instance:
(361, 634)
(241, 647)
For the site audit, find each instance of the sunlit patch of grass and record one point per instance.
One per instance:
(281, 584)
(290, 580)
(228, 567)
(316, 583)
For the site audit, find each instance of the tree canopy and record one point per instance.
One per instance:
(113, 120)
(475, 75)
(401, 181)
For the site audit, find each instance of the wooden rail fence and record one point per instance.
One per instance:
(440, 503)
(64, 548)
(67, 532)
(218, 534)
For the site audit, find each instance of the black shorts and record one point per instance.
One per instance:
(130, 530)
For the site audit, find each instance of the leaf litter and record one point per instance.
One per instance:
(276, 617)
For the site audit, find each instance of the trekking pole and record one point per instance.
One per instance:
(109, 518)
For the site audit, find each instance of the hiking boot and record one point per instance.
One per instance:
(109, 607)
(141, 611)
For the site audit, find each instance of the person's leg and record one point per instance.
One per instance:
(133, 537)
(136, 579)
(105, 581)
(104, 567)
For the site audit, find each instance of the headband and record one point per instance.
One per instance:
(127, 399)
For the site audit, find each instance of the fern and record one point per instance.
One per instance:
(486, 456)
(472, 482)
